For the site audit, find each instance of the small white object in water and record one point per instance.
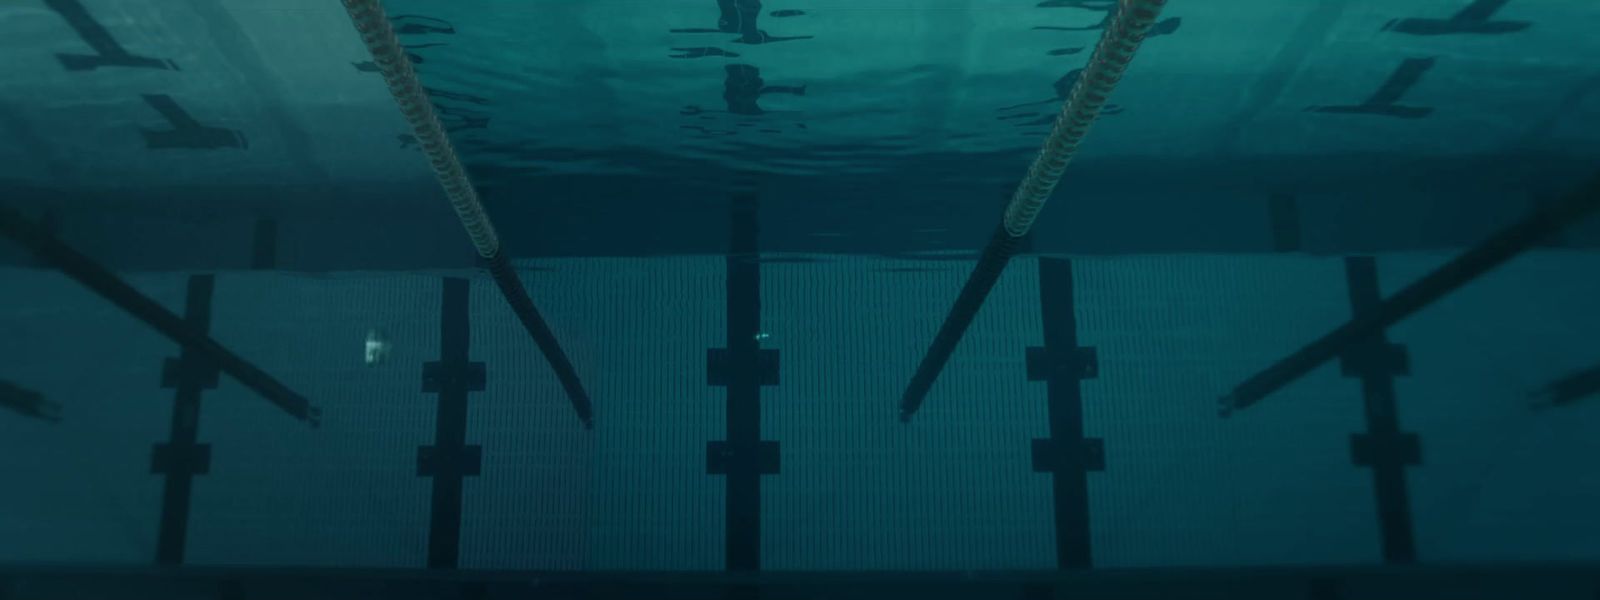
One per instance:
(377, 347)
(762, 336)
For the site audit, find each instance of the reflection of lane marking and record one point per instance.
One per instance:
(743, 88)
(939, 253)
(1567, 107)
(701, 52)
(108, 52)
(233, 45)
(740, 16)
(186, 132)
(1063, 88)
(1166, 26)
(1384, 102)
(418, 24)
(742, 83)
(455, 119)
(1309, 35)
(1472, 20)
(446, 95)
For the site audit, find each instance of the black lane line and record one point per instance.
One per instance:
(743, 367)
(1067, 455)
(450, 459)
(1384, 447)
(182, 457)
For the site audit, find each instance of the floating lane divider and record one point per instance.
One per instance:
(1111, 57)
(1461, 270)
(377, 33)
(193, 340)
